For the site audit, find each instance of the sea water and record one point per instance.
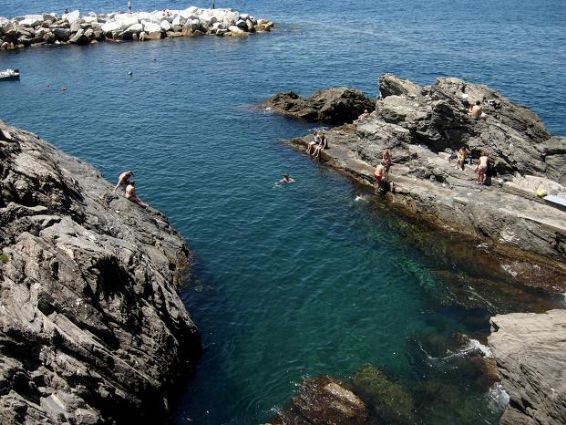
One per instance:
(297, 280)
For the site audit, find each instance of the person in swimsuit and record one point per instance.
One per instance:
(123, 180)
(322, 145)
(313, 143)
(286, 179)
(131, 195)
(482, 167)
(378, 176)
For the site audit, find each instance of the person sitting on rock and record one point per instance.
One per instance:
(313, 143)
(322, 145)
(131, 195)
(363, 115)
(481, 169)
(465, 100)
(378, 176)
(477, 111)
(124, 180)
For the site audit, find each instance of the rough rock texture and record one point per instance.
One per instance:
(531, 356)
(325, 400)
(331, 106)
(419, 125)
(92, 329)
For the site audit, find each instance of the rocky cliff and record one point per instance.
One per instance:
(420, 126)
(531, 356)
(92, 329)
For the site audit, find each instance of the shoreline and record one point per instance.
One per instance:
(51, 29)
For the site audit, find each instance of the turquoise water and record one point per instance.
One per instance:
(299, 280)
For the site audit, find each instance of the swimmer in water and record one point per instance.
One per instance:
(286, 179)
(359, 198)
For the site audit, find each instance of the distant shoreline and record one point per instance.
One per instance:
(51, 29)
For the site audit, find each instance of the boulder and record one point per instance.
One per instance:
(80, 38)
(62, 34)
(71, 17)
(324, 400)
(31, 20)
(151, 27)
(111, 26)
(530, 350)
(165, 25)
(331, 106)
(93, 329)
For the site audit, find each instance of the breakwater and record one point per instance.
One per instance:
(75, 28)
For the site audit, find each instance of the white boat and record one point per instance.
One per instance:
(10, 74)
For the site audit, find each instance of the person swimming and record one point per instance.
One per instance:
(286, 179)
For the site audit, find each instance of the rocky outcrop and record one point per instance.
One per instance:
(331, 106)
(74, 28)
(530, 350)
(92, 329)
(420, 126)
(325, 400)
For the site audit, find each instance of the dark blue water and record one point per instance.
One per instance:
(299, 280)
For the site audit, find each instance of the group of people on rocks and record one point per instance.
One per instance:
(462, 155)
(476, 110)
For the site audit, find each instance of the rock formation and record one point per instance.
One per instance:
(530, 350)
(325, 400)
(420, 126)
(331, 106)
(92, 329)
(73, 28)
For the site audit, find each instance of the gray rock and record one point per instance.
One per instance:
(324, 400)
(62, 34)
(92, 329)
(420, 126)
(79, 38)
(530, 350)
(332, 106)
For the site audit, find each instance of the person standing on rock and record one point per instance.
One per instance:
(482, 167)
(131, 195)
(461, 156)
(123, 180)
(386, 161)
(378, 176)
(130, 6)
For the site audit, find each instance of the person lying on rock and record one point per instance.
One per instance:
(123, 180)
(131, 195)
(482, 167)
(322, 145)
(378, 176)
(313, 143)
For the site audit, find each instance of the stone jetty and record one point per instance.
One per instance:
(92, 329)
(75, 28)
(420, 126)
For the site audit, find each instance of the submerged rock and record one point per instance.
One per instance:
(331, 106)
(325, 400)
(92, 329)
(530, 350)
(391, 402)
